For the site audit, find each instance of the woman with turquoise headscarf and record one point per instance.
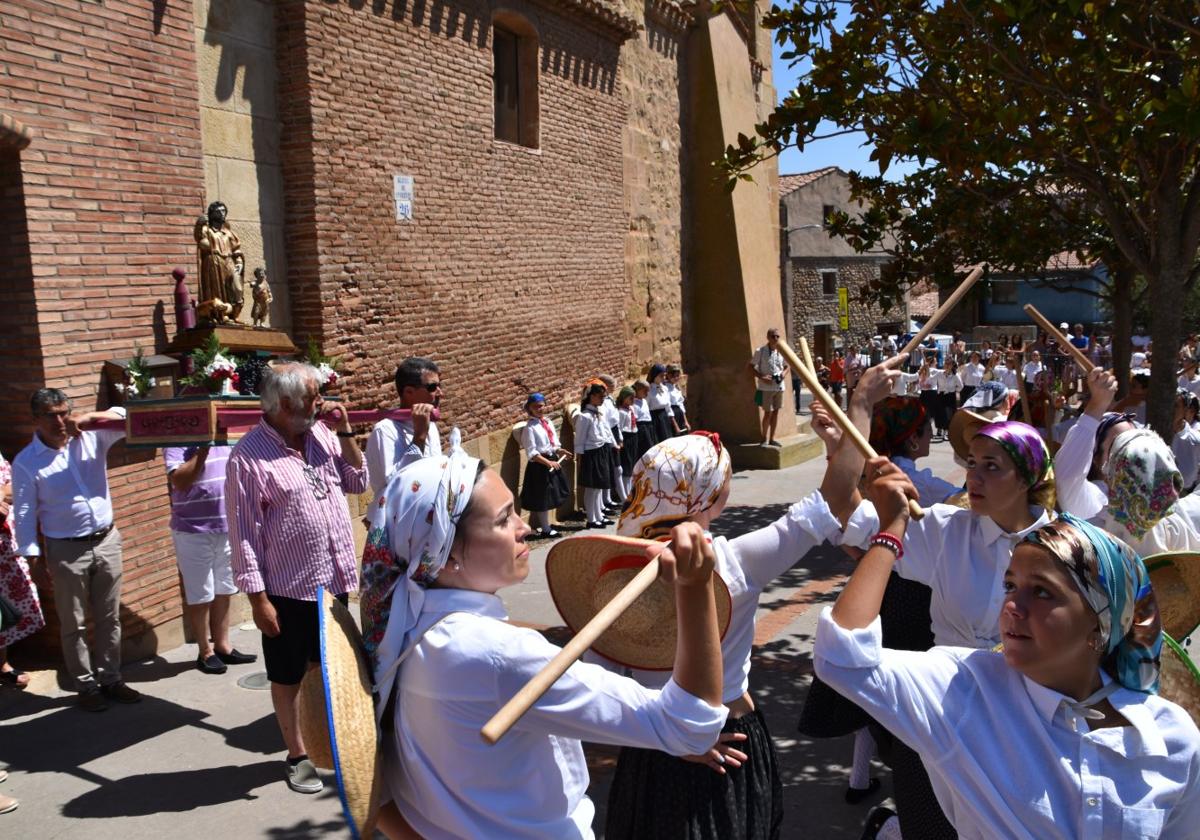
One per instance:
(960, 554)
(1059, 735)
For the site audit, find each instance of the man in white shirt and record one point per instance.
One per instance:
(395, 444)
(60, 483)
(769, 370)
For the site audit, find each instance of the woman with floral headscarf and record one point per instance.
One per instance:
(686, 479)
(444, 539)
(960, 554)
(1059, 736)
(1134, 488)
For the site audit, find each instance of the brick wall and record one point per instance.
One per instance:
(511, 272)
(111, 184)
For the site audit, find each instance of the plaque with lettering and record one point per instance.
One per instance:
(183, 421)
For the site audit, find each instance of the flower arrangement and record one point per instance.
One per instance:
(214, 368)
(138, 380)
(327, 366)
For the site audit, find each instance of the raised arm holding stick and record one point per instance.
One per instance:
(942, 312)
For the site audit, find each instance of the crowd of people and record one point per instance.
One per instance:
(1002, 652)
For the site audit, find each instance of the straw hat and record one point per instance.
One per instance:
(965, 424)
(1175, 576)
(1179, 679)
(337, 716)
(585, 573)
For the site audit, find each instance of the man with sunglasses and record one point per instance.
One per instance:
(60, 482)
(395, 444)
(290, 533)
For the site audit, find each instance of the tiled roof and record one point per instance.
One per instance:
(922, 299)
(790, 183)
(1069, 261)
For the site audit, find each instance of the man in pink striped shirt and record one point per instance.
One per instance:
(289, 531)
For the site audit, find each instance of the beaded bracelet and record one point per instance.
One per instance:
(890, 542)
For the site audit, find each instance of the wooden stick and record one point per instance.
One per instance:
(1064, 342)
(524, 699)
(943, 311)
(835, 411)
(807, 354)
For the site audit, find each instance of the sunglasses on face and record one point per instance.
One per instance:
(428, 386)
(316, 482)
(57, 415)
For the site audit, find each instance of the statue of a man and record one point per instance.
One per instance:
(221, 267)
(261, 292)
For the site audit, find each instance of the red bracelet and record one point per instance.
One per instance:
(890, 542)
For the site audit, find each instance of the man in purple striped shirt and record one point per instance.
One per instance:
(197, 478)
(290, 532)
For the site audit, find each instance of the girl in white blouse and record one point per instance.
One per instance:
(686, 479)
(659, 402)
(1062, 734)
(545, 487)
(593, 452)
(445, 539)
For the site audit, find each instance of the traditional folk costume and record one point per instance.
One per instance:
(678, 406)
(962, 557)
(1009, 757)
(544, 489)
(654, 794)
(630, 440)
(659, 402)
(1139, 500)
(612, 418)
(593, 442)
(445, 660)
(16, 586)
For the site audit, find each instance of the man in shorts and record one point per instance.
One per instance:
(769, 371)
(197, 478)
(290, 533)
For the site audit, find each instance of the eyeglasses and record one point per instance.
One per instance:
(428, 386)
(57, 415)
(316, 482)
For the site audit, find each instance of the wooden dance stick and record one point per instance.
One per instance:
(942, 311)
(807, 354)
(524, 699)
(1080, 359)
(849, 429)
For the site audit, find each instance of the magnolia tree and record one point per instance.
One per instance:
(1094, 100)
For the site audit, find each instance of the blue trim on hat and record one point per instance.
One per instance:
(337, 761)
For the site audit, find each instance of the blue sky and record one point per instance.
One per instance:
(847, 151)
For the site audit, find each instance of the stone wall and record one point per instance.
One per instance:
(235, 51)
(653, 75)
(510, 273)
(810, 306)
(110, 185)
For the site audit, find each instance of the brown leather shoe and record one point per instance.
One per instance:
(92, 701)
(121, 693)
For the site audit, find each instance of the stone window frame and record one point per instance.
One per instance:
(527, 131)
(821, 272)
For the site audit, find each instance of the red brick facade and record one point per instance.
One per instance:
(110, 185)
(511, 273)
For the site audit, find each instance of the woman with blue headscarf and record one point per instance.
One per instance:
(444, 539)
(1060, 735)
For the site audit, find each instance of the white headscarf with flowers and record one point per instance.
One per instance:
(407, 546)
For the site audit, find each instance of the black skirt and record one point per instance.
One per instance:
(595, 469)
(662, 424)
(658, 795)
(544, 488)
(614, 454)
(645, 437)
(629, 453)
(680, 417)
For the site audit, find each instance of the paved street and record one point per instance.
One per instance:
(201, 757)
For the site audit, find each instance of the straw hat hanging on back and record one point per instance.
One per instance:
(1175, 576)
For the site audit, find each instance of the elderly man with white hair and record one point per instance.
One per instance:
(290, 532)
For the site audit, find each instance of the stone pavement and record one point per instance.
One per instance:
(201, 757)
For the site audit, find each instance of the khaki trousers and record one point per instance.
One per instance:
(87, 577)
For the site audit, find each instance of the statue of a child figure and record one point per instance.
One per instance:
(260, 312)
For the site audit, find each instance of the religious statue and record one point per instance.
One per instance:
(261, 293)
(220, 266)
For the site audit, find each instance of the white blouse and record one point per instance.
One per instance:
(949, 383)
(535, 440)
(591, 432)
(1186, 449)
(903, 382)
(658, 397)
(642, 410)
(931, 490)
(962, 557)
(748, 564)
(675, 394)
(1032, 369)
(449, 783)
(608, 410)
(972, 374)
(1006, 756)
(628, 425)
